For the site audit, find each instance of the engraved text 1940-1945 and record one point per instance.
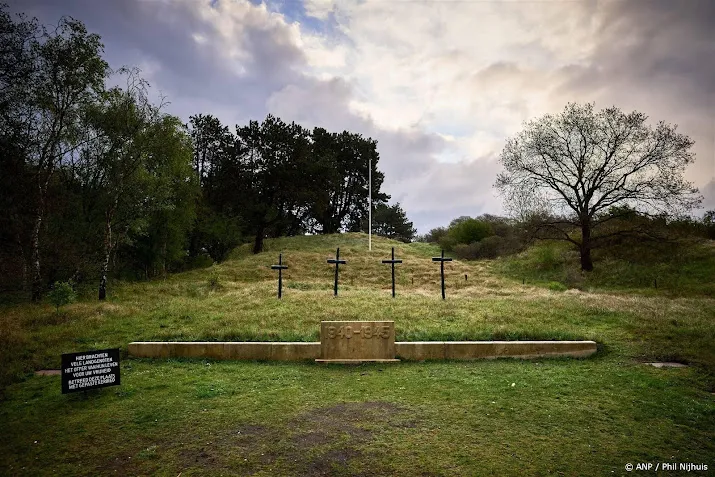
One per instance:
(364, 331)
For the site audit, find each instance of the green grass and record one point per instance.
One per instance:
(196, 417)
(671, 271)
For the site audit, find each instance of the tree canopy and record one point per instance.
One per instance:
(391, 221)
(272, 178)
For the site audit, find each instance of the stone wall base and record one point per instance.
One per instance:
(405, 350)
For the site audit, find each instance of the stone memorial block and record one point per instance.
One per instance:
(357, 341)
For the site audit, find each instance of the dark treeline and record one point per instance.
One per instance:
(271, 179)
(625, 233)
(98, 182)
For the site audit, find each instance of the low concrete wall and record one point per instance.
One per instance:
(407, 350)
(426, 350)
(279, 351)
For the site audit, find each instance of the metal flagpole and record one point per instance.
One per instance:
(369, 227)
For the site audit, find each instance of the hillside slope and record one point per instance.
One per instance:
(236, 301)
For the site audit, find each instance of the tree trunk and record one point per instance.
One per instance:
(107, 254)
(24, 274)
(258, 244)
(586, 263)
(163, 259)
(36, 275)
(330, 226)
(194, 241)
(25, 279)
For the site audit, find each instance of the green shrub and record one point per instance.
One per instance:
(470, 231)
(62, 294)
(446, 242)
(574, 277)
(214, 281)
(467, 252)
(709, 224)
(547, 257)
(433, 236)
(491, 247)
(556, 286)
(200, 261)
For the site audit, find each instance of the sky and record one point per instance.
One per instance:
(440, 85)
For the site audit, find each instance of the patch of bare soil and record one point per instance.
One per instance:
(324, 441)
(48, 372)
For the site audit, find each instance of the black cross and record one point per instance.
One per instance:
(337, 263)
(441, 261)
(280, 267)
(393, 262)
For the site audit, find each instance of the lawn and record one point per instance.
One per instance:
(502, 417)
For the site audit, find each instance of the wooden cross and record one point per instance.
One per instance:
(280, 267)
(337, 263)
(441, 261)
(392, 263)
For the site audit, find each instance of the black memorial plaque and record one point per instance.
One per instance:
(90, 370)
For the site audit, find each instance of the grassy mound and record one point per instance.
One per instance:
(668, 270)
(504, 417)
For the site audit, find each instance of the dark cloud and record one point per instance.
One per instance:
(657, 57)
(664, 45)
(160, 33)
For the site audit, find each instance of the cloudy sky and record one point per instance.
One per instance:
(439, 84)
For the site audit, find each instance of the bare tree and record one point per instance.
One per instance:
(580, 163)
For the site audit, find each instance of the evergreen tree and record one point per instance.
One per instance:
(391, 222)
